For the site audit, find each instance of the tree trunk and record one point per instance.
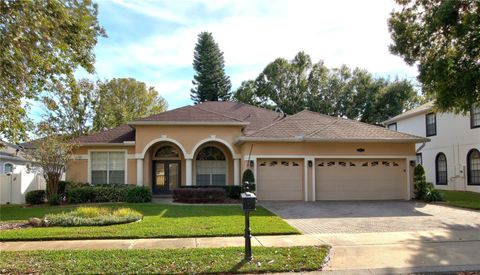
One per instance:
(52, 180)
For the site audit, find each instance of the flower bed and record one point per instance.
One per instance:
(92, 216)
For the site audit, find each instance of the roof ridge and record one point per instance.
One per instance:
(244, 104)
(210, 111)
(276, 122)
(168, 111)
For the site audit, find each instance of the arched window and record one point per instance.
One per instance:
(441, 169)
(7, 168)
(473, 167)
(167, 152)
(211, 167)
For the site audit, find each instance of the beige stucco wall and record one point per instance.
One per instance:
(329, 149)
(77, 170)
(187, 136)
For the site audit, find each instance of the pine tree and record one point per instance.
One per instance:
(211, 82)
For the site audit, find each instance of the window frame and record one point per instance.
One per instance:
(5, 164)
(472, 126)
(469, 170)
(436, 169)
(426, 124)
(107, 151)
(393, 124)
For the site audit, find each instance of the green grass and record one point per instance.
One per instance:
(462, 199)
(159, 221)
(168, 261)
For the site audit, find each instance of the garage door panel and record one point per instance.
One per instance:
(280, 179)
(360, 179)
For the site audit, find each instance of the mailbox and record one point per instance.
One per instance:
(248, 201)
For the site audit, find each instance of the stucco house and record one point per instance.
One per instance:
(306, 156)
(452, 158)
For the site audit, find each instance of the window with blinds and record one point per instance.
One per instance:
(108, 167)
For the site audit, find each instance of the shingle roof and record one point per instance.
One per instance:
(115, 135)
(427, 107)
(189, 114)
(307, 125)
(259, 124)
(257, 117)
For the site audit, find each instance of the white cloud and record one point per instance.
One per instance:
(254, 33)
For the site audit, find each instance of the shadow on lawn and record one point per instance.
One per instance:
(238, 266)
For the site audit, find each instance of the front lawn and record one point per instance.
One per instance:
(159, 221)
(167, 261)
(462, 199)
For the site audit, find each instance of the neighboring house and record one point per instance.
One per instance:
(17, 174)
(452, 158)
(306, 156)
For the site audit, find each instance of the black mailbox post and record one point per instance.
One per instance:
(249, 201)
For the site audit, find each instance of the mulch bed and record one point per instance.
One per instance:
(14, 225)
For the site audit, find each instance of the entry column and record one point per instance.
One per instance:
(236, 172)
(139, 171)
(188, 171)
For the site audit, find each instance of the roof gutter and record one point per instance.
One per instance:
(200, 123)
(241, 140)
(401, 117)
(96, 144)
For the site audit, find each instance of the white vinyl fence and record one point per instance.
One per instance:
(13, 187)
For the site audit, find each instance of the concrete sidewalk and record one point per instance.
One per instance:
(207, 242)
(353, 253)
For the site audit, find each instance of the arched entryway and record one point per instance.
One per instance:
(166, 168)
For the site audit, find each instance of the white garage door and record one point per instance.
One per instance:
(280, 179)
(360, 179)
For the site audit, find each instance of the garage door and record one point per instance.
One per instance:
(360, 179)
(280, 179)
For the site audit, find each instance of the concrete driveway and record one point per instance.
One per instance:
(389, 236)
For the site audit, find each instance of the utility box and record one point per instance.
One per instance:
(249, 201)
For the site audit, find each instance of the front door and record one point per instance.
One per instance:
(166, 176)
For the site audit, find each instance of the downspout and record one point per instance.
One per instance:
(421, 147)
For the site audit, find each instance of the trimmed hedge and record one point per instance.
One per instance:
(138, 194)
(232, 191)
(199, 195)
(105, 193)
(36, 197)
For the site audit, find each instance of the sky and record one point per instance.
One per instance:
(153, 41)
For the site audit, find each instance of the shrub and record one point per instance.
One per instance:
(423, 190)
(35, 197)
(420, 187)
(432, 194)
(80, 194)
(233, 191)
(92, 216)
(138, 194)
(199, 195)
(63, 185)
(248, 176)
(109, 194)
(55, 199)
(106, 193)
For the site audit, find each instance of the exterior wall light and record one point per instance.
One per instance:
(360, 150)
(310, 163)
